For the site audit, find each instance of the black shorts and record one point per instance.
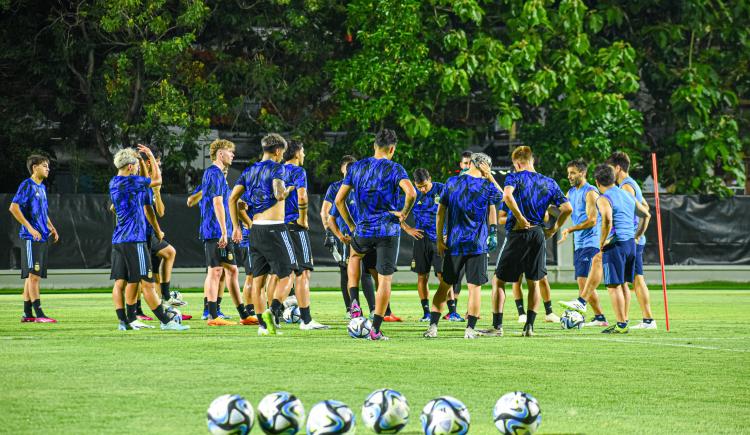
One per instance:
(426, 257)
(302, 248)
(384, 248)
(216, 256)
(369, 261)
(34, 259)
(156, 245)
(271, 250)
(131, 261)
(243, 258)
(474, 265)
(524, 252)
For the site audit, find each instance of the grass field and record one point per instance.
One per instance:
(83, 376)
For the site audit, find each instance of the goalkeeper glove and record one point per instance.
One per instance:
(330, 240)
(492, 238)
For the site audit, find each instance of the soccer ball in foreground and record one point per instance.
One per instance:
(281, 413)
(359, 327)
(230, 414)
(385, 411)
(571, 320)
(445, 415)
(290, 301)
(174, 294)
(291, 314)
(330, 417)
(517, 413)
(173, 314)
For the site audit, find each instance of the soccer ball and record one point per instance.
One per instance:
(571, 319)
(291, 314)
(230, 414)
(174, 294)
(359, 327)
(173, 314)
(517, 413)
(445, 415)
(290, 301)
(330, 417)
(281, 413)
(385, 411)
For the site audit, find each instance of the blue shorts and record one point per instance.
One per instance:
(618, 263)
(582, 260)
(639, 259)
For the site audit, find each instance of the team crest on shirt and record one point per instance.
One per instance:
(413, 264)
(36, 267)
(150, 274)
(230, 257)
(437, 199)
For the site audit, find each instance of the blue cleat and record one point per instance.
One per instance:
(205, 315)
(455, 317)
(426, 318)
(221, 315)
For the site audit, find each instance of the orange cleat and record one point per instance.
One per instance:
(392, 318)
(249, 321)
(220, 322)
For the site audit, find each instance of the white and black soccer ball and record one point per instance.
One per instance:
(330, 417)
(291, 314)
(359, 327)
(173, 314)
(385, 411)
(175, 294)
(517, 413)
(571, 320)
(281, 413)
(290, 301)
(445, 415)
(230, 414)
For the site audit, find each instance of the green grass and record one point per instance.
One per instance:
(83, 376)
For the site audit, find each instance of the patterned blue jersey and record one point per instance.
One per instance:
(533, 193)
(128, 195)
(468, 200)
(623, 212)
(425, 210)
(588, 238)
(375, 188)
(245, 243)
(639, 198)
(32, 200)
(258, 182)
(297, 177)
(351, 205)
(214, 184)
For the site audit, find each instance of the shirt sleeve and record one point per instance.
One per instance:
(492, 193)
(142, 183)
(444, 196)
(510, 180)
(213, 186)
(330, 196)
(149, 198)
(242, 180)
(23, 194)
(400, 174)
(196, 190)
(334, 211)
(279, 173)
(299, 179)
(558, 197)
(348, 177)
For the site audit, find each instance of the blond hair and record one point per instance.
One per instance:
(124, 157)
(220, 144)
(522, 154)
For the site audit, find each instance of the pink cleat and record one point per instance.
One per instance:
(45, 320)
(28, 319)
(144, 317)
(186, 317)
(355, 310)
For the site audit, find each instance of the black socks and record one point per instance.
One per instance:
(451, 306)
(434, 317)
(425, 306)
(519, 307)
(471, 321)
(213, 310)
(130, 310)
(530, 318)
(304, 314)
(160, 314)
(497, 320)
(376, 322)
(547, 307)
(27, 309)
(121, 315)
(165, 291)
(37, 304)
(242, 311)
(353, 295)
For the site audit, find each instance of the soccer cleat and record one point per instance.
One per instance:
(263, 331)
(172, 325)
(644, 325)
(377, 336)
(143, 317)
(313, 325)
(392, 318)
(355, 311)
(496, 332)
(426, 318)
(348, 315)
(522, 318)
(455, 317)
(431, 332)
(251, 320)
(552, 318)
(447, 316)
(44, 320)
(206, 314)
(270, 322)
(574, 305)
(220, 322)
(472, 333)
(176, 302)
(137, 324)
(596, 323)
(615, 329)
(124, 326)
(186, 317)
(221, 315)
(25, 319)
(528, 331)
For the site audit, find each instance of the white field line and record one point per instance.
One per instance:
(656, 343)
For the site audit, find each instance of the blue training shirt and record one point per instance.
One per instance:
(257, 180)
(467, 200)
(128, 195)
(588, 238)
(533, 193)
(638, 197)
(375, 190)
(623, 212)
(351, 205)
(245, 243)
(214, 184)
(32, 200)
(297, 177)
(425, 210)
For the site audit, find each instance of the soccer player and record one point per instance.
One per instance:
(216, 228)
(295, 218)
(586, 232)
(270, 242)
(527, 194)
(338, 238)
(425, 236)
(462, 213)
(29, 208)
(131, 264)
(375, 183)
(242, 251)
(621, 162)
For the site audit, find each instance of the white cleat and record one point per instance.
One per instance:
(313, 325)
(574, 305)
(522, 318)
(600, 323)
(172, 325)
(472, 333)
(552, 318)
(644, 325)
(495, 332)
(137, 324)
(263, 331)
(431, 332)
(174, 302)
